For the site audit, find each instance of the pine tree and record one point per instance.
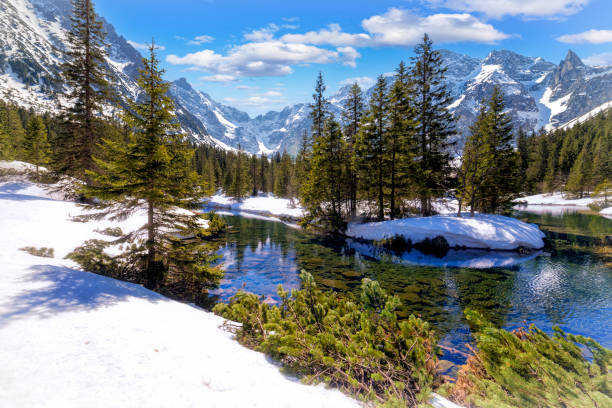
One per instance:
(85, 72)
(501, 185)
(240, 186)
(434, 124)
(35, 145)
(9, 116)
(151, 173)
(324, 189)
(5, 144)
(476, 164)
(489, 171)
(401, 133)
(372, 146)
(352, 115)
(319, 108)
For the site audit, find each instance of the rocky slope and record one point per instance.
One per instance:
(538, 93)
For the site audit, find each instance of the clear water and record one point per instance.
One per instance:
(569, 286)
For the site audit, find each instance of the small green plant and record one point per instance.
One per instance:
(216, 225)
(356, 345)
(527, 368)
(43, 252)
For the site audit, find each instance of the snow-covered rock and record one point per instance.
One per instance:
(70, 338)
(482, 231)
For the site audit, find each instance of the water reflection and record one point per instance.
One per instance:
(571, 287)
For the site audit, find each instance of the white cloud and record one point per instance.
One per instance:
(273, 93)
(145, 47)
(399, 27)
(525, 8)
(254, 101)
(201, 39)
(219, 78)
(263, 34)
(364, 82)
(591, 37)
(246, 87)
(266, 58)
(333, 35)
(603, 59)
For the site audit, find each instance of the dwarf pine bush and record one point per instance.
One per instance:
(527, 368)
(356, 345)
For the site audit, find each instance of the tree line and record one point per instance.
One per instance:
(576, 160)
(393, 156)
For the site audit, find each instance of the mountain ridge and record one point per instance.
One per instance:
(538, 93)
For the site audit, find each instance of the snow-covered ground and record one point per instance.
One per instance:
(554, 199)
(606, 212)
(69, 338)
(266, 204)
(482, 231)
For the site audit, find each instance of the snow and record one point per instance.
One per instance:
(483, 231)
(606, 212)
(556, 107)
(587, 115)
(266, 204)
(19, 166)
(72, 338)
(554, 199)
(263, 149)
(230, 128)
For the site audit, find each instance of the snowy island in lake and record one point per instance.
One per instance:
(483, 231)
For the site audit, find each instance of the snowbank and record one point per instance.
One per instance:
(19, 166)
(72, 338)
(554, 199)
(482, 231)
(606, 212)
(264, 204)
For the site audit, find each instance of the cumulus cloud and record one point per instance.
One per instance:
(591, 37)
(266, 58)
(201, 39)
(332, 35)
(399, 27)
(364, 82)
(603, 59)
(265, 54)
(145, 47)
(525, 8)
(219, 78)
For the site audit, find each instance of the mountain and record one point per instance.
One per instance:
(537, 93)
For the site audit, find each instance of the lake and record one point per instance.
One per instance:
(568, 284)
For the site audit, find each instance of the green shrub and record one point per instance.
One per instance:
(356, 345)
(42, 252)
(527, 368)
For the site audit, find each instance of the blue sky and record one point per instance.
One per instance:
(263, 55)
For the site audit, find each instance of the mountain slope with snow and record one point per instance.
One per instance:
(537, 93)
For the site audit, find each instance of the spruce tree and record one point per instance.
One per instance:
(352, 115)
(5, 144)
(372, 146)
(476, 163)
(319, 108)
(151, 173)
(434, 124)
(501, 185)
(9, 116)
(323, 191)
(401, 134)
(37, 150)
(85, 73)
(240, 186)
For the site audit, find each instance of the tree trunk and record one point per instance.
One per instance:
(151, 266)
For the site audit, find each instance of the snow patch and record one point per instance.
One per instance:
(264, 204)
(483, 231)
